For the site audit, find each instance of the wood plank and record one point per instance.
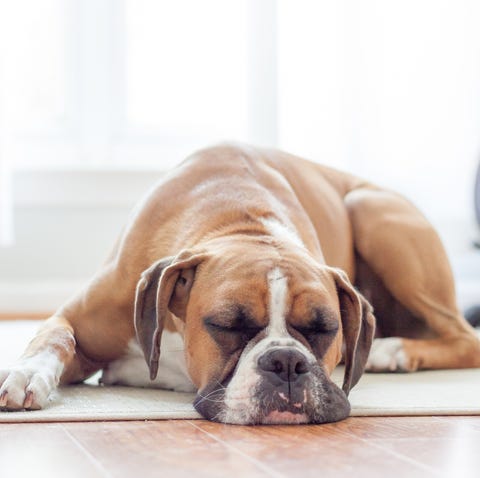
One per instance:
(448, 456)
(470, 422)
(44, 450)
(172, 448)
(402, 427)
(315, 450)
(446, 445)
(361, 447)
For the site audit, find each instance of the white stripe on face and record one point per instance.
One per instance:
(277, 287)
(282, 231)
(240, 402)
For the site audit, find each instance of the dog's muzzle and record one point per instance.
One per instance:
(281, 385)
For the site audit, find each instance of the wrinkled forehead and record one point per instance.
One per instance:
(291, 296)
(263, 288)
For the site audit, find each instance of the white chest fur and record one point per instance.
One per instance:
(132, 369)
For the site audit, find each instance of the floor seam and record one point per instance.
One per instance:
(257, 463)
(392, 452)
(89, 455)
(403, 457)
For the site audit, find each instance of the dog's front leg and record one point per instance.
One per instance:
(29, 382)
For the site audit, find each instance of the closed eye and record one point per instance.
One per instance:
(233, 325)
(323, 323)
(314, 331)
(230, 337)
(232, 329)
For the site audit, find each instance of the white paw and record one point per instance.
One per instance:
(387, 355)
(28, 384)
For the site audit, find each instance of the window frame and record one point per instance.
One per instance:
(96, 133)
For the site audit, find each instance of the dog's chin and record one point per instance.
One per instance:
(277, 417)
(247, 413)
(267, 417)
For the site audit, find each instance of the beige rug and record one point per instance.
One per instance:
(453, 392)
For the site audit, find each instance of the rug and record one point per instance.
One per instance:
(450, 392)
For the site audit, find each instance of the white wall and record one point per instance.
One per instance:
(63, 232)
(387, 89)
(65, 229)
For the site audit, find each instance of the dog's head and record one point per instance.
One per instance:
(263, 329)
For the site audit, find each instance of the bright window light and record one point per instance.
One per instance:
(186, 66)
(33, 57)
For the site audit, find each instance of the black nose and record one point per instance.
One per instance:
(286, 363)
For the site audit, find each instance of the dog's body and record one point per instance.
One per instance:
(245, 259)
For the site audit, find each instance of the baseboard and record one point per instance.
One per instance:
(34, 298)
(25, 315)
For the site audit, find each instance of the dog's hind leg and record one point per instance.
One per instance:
(406, 254)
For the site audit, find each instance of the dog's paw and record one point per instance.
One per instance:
(28, 384)
(388, 355)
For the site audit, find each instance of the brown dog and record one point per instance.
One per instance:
(245, 259)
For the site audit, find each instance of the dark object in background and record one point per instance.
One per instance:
(477, 202)
(472, 314)
(477, 195)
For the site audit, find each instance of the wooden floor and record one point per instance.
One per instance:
(387, 447)
(357, 447)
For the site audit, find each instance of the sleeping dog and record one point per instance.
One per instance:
(246, 275)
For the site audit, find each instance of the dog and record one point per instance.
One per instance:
(247, 275)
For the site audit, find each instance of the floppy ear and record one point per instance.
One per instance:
(165, 285)
(358, 324)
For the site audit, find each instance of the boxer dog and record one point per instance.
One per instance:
(241, 276)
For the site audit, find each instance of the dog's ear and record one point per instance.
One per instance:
(165, 285)
(358, 324)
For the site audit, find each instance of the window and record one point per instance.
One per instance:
(195, 74)
(388, 90)
(137, 83)
(34, 66)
